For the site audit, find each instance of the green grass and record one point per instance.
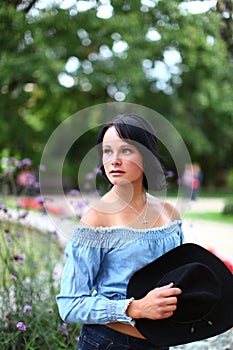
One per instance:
(227, 194)
(211, 216)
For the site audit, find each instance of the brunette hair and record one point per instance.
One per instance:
(139, 132)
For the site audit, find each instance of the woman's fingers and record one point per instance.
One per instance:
(162, 301)
(169, 290)
(159, 303)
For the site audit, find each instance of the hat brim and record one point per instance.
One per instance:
(167, 332)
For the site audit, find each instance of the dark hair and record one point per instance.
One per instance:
(139, 132)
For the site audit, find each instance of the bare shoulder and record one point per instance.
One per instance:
(91, 218)
(171, 211)
(167, 208)
(95, 215)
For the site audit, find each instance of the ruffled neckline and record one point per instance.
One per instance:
(116, 236)
(108, 229)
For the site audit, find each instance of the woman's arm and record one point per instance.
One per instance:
(76, 302)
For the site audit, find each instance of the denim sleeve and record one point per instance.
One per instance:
(76, 302)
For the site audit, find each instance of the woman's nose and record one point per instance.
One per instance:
(116, 160)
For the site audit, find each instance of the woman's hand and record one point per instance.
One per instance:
(159, 303)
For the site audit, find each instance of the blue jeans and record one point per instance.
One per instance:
(98, 337)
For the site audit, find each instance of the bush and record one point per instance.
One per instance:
(28, 312)
(228, 208)
(230, 178)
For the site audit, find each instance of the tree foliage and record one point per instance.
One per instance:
(56, 60)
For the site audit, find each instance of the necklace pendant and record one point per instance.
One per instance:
(145, 221)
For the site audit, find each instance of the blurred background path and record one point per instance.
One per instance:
(210, 234)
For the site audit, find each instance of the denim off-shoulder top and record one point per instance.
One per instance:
(99, 264)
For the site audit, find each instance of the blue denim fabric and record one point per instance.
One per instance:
(99, 264)
(96, 337)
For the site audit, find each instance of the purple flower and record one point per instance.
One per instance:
(86, 186)
(18, 164)
(170, 173)
(42, 167)
(64, 326)
(14, 278)
(19, 234)
(64, 329)
(40, 200)
(76, 339)
(9, 240)
(20, 257)
(10, 160)
(31, 179)
(90, 176)
(23, 215)
(3, 208)
(36, 184)
(21, 326)
(26, 161)
(50, 311)
(97, 171)
(17, 257)
(74, 192)
(27, 308)
(80, 205)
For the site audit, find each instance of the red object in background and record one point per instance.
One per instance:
(226, 260)
(30, 203)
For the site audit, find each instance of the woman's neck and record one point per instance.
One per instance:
(130, 194)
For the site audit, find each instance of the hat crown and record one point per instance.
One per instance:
(205, 306)
(200, 288)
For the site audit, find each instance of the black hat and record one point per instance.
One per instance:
(205, 307)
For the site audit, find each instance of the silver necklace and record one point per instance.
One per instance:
(142, 214)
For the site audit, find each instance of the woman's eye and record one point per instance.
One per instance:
(126, 151)
(107, 151)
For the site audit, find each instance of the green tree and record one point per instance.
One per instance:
(56, 61)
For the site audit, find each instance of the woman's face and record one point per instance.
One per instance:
(122, 161)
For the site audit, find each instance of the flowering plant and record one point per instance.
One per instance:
(30, 269)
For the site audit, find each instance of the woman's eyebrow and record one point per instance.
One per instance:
(106, 145)
(126, 144)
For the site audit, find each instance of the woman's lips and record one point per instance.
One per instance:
(116, 172)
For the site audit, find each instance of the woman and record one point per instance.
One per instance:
(127, 229)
